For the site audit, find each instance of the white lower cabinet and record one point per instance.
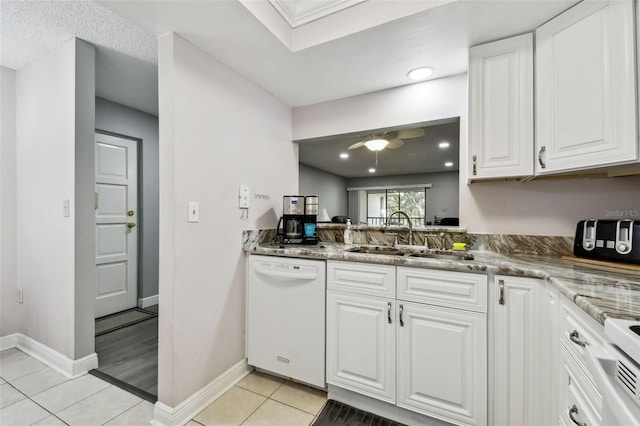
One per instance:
(361, 350)
(580, 398)
(514, 308)
(425, 358)
(446, 380)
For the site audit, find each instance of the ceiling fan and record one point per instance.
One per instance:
(392, 140)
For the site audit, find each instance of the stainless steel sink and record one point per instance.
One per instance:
(395, 251)
(377, 250)
(445, 256)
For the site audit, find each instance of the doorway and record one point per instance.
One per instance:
(126, 324)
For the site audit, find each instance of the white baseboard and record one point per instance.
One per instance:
(50, 357)
(9, 341)
(145, 302)
(163, 415)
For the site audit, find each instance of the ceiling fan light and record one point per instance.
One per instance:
(420, 73)
(376, 144)
(344, 155)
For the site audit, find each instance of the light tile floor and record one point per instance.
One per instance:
(261, 399)
(33, 394)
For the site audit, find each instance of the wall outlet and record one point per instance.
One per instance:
(20, 295)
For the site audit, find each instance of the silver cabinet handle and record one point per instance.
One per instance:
(575, 338)
(389, 312)
(501, 285)
(401, 321)
(474, 159)
(542, 150)
(572, 412)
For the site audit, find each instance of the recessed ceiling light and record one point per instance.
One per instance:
(372, 170)
(344, 155)
(448, 164)
(420, 73)
(444, 145)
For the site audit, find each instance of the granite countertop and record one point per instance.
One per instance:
(599, 293)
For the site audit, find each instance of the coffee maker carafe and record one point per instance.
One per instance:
(299, 219)
(292, 219)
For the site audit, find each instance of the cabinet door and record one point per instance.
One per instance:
(501, 108)
(515, 304)
(361, 344)
(447, 379)
(585, 88)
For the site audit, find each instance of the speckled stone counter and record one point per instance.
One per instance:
(601, 294)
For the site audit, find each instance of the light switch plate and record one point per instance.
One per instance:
(194, 212)
(243, 197)
(66, 208)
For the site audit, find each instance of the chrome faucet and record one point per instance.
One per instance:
(408, 220)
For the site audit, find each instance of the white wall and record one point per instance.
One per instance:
(119, 119)
(528, 208)
(415, 103)
(9, 312)
(331, 190)
(55, 98)
(217, 131)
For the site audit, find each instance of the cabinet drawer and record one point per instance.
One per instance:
(363, 278)
(443, 288)
(579, 398)
(577, 330)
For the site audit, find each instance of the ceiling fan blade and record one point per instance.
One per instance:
(410, 133)
(356, 145)
(395, 143)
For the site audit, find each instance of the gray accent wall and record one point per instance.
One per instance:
(331, 190)
(442, 197)
(124, 121)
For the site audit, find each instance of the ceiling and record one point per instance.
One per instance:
(126, 55)
(365, 47)
(417, 155)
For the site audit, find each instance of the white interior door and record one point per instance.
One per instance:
(116, 219)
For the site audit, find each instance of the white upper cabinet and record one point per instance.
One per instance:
(586, 113)
(501, 109)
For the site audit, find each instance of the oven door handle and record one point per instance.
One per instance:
(602, 366)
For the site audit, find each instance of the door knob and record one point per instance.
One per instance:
(131, 225)
(130, 213)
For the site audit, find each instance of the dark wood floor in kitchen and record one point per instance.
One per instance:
(130, 354)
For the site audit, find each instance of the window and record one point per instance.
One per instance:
(412, 201)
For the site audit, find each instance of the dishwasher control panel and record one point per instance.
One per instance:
(285, 267)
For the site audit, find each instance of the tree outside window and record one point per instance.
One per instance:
(381, 203)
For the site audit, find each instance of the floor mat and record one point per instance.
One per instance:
(122, 319)
(336, 413)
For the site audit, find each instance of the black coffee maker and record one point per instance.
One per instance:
(298, 222)
(310, 234)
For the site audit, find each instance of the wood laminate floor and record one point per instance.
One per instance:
(131, 355)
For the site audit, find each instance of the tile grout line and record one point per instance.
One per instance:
(35, 402)
(51, 413)
(280, 402)
(128, 409)
(266, 398)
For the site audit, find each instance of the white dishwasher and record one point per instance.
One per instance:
(286, 317)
